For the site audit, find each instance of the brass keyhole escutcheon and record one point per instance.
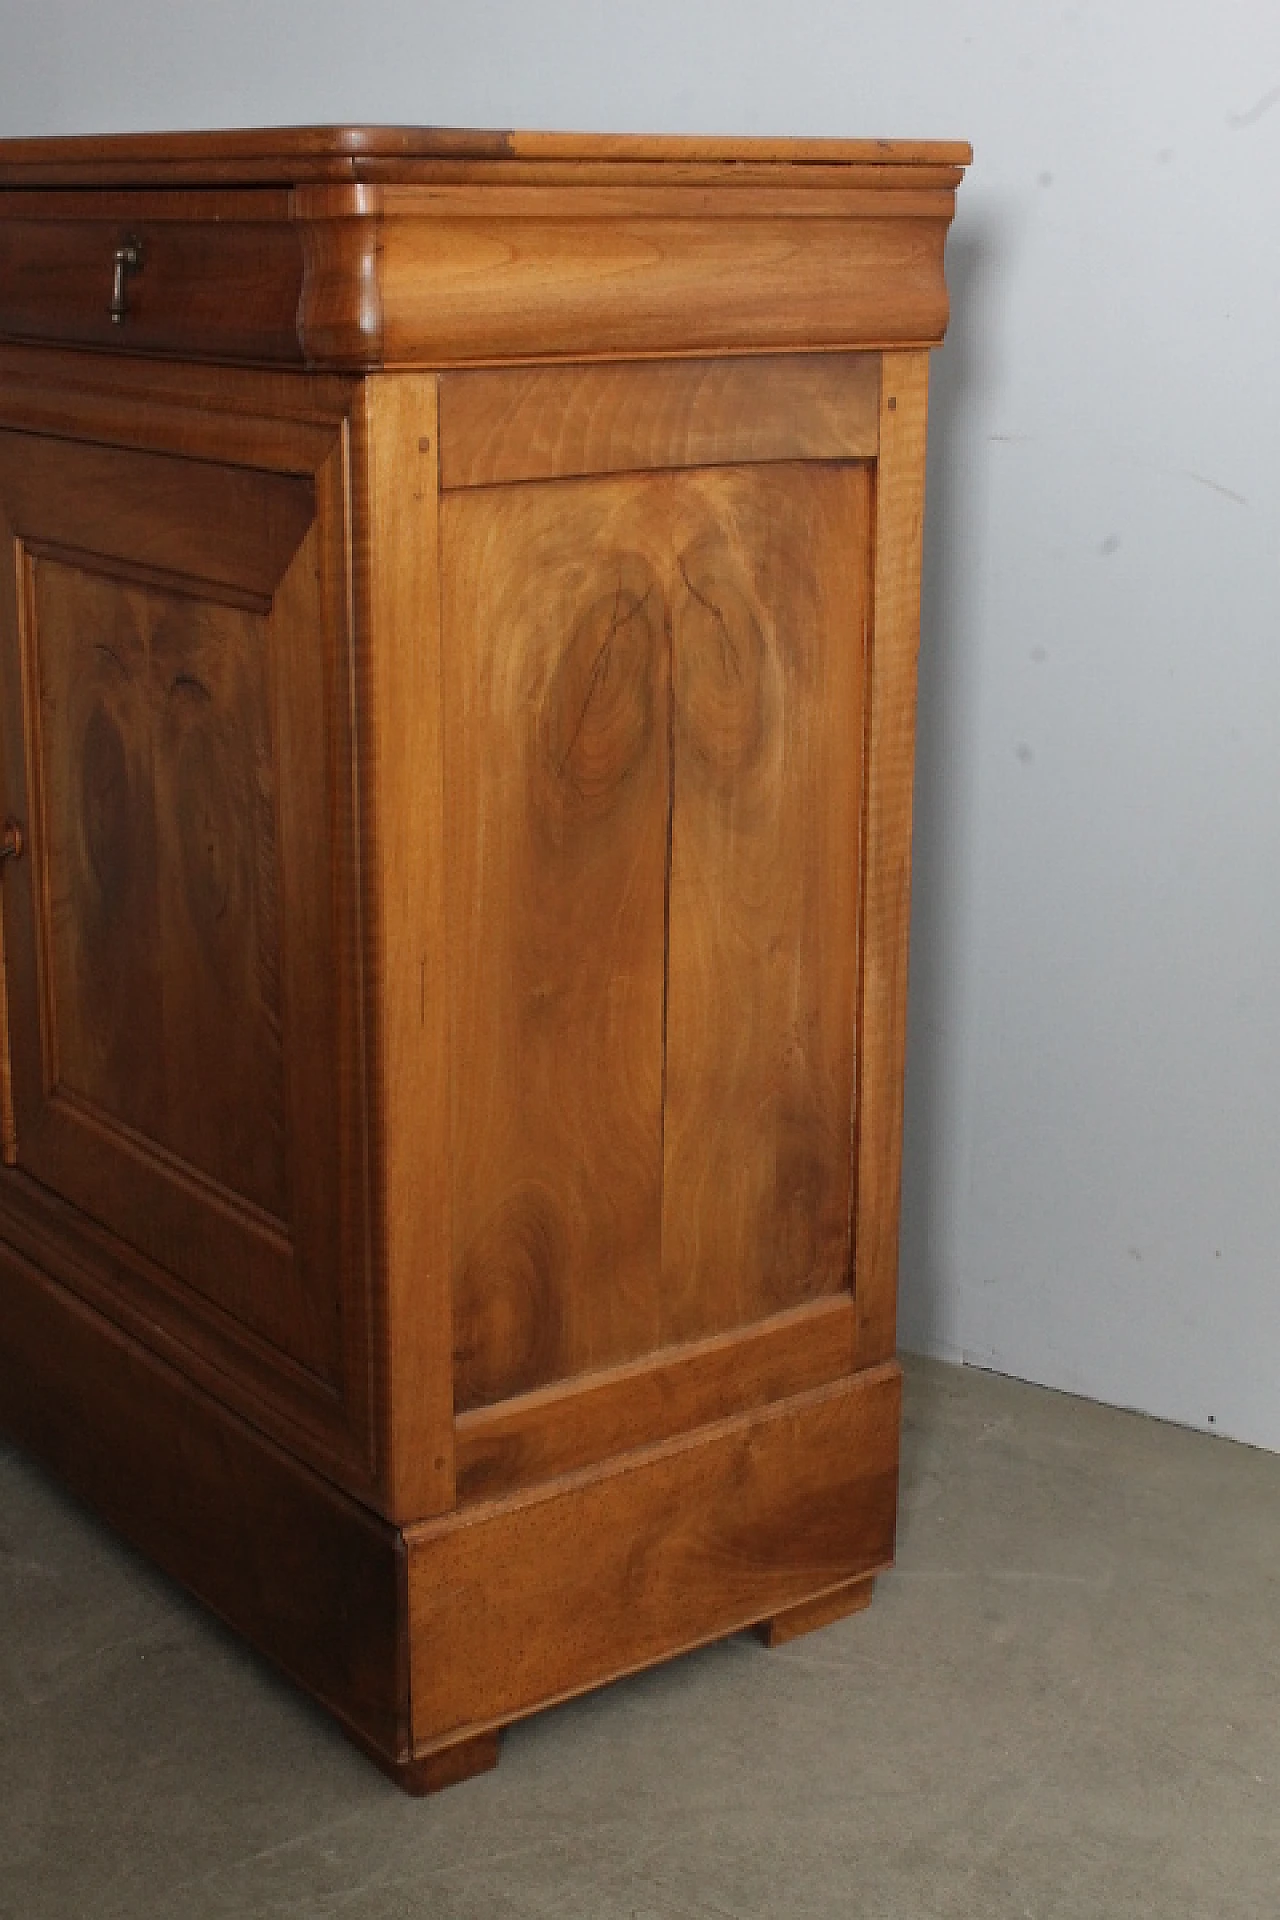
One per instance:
(126, 260)
(11, 841)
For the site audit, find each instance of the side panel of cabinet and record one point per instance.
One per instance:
(653, 704)
(181, 942)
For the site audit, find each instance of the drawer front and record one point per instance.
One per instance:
(224, 289)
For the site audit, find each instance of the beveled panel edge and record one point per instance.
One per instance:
(46, 479)
(254, 411)
(155, 579)
(77, 1108)
(575, 1423)
(283, 421)
(191, 1334)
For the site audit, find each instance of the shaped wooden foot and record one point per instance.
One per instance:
(816, 1613)
(432, 1772)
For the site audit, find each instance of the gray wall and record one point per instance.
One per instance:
(1093, 1164)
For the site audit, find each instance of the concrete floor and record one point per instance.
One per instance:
(1065, 1702)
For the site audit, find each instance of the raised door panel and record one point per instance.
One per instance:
(653, 707)
(177, 935)
(154, 743)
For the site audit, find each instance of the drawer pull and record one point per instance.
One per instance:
(128, 259)
(11, 841)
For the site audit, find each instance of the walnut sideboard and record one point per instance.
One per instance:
(458, 624)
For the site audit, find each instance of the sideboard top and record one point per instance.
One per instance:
(292, 155)
(358, 247)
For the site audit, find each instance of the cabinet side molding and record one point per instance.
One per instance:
(340, 320)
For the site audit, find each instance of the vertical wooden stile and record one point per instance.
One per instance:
(398, 620)
(886, 892)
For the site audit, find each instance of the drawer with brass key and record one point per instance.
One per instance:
(161, 276)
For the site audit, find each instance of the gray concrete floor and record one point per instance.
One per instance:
(1064, 1702)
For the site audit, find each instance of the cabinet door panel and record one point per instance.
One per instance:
(160, 814)
(167, 650)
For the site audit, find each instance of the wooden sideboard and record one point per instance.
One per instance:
(458, 625)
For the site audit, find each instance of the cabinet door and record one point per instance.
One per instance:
(654, 724)
(173, 647)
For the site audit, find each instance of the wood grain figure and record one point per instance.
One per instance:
(770, 613)
(547, 423)
(557, 760)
